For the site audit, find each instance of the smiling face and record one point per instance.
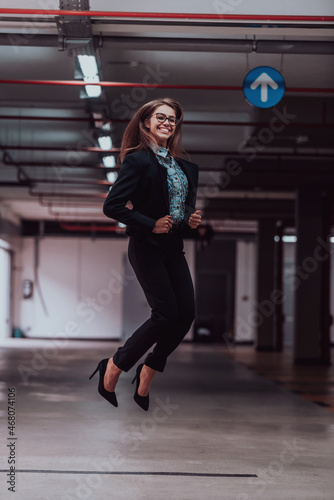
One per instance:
(161, 132)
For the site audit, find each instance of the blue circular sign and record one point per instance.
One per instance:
(264, 87)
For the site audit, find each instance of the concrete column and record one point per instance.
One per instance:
(278, 287)
(265, 292)
(312, 317)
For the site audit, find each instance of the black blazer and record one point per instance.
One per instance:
(143, 181)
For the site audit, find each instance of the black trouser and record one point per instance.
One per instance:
(162, 271)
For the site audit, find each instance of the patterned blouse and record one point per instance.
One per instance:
(177, 183)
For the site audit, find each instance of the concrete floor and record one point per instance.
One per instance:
(214, 430)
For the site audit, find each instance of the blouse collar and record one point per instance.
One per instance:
(159, 150)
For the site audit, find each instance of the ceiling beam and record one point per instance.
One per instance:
(184, 44)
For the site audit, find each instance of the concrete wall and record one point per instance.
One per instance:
(79, 287)
(86, 287)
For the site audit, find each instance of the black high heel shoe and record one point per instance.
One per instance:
(109, 396)
(142, 401)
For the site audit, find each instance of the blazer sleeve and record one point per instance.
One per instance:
(122, 191)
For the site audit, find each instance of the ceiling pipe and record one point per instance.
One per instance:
(90, 228)
(224, 123)
(66, 195)
(101, 169)
(169, 15)
(81, 83)
(294, 154)
(88, 182)
(52, 118)
(68, 204)
(54, 213)
(91, 149)
(220, 45)
(210, 45)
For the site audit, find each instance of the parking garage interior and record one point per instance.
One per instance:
(245, 406)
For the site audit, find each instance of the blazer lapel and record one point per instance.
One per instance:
(187, 170)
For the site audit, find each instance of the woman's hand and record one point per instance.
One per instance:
(163, 225)
(195, 219)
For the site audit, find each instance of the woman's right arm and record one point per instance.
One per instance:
(122, 191)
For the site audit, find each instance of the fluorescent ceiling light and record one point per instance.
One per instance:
(106, 126)
(289, 238)
(88, 66)
(292, 239)
(98, 119)
(93, 90)
(109, 161)
(111, 176)
(105, 142)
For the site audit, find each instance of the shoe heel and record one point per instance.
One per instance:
(142, 401)
(109, 396)
(92, 375)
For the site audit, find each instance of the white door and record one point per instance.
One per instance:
(4, 290)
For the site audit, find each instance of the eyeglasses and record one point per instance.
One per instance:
(162, 118)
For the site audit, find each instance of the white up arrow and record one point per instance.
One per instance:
(264, 80)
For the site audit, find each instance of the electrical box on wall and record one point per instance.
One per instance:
(27, 289)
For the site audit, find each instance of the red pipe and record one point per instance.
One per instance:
(85, 182)
(66, 195)
(168, 15)
(53, 118)
(89, 228)
(303, 89)
(68, 204)
(91, 149)
(60, 165)
(81, 83)
(71, 214)
(199, 152)
(185, 122)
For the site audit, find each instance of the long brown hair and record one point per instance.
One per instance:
(136, 136)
